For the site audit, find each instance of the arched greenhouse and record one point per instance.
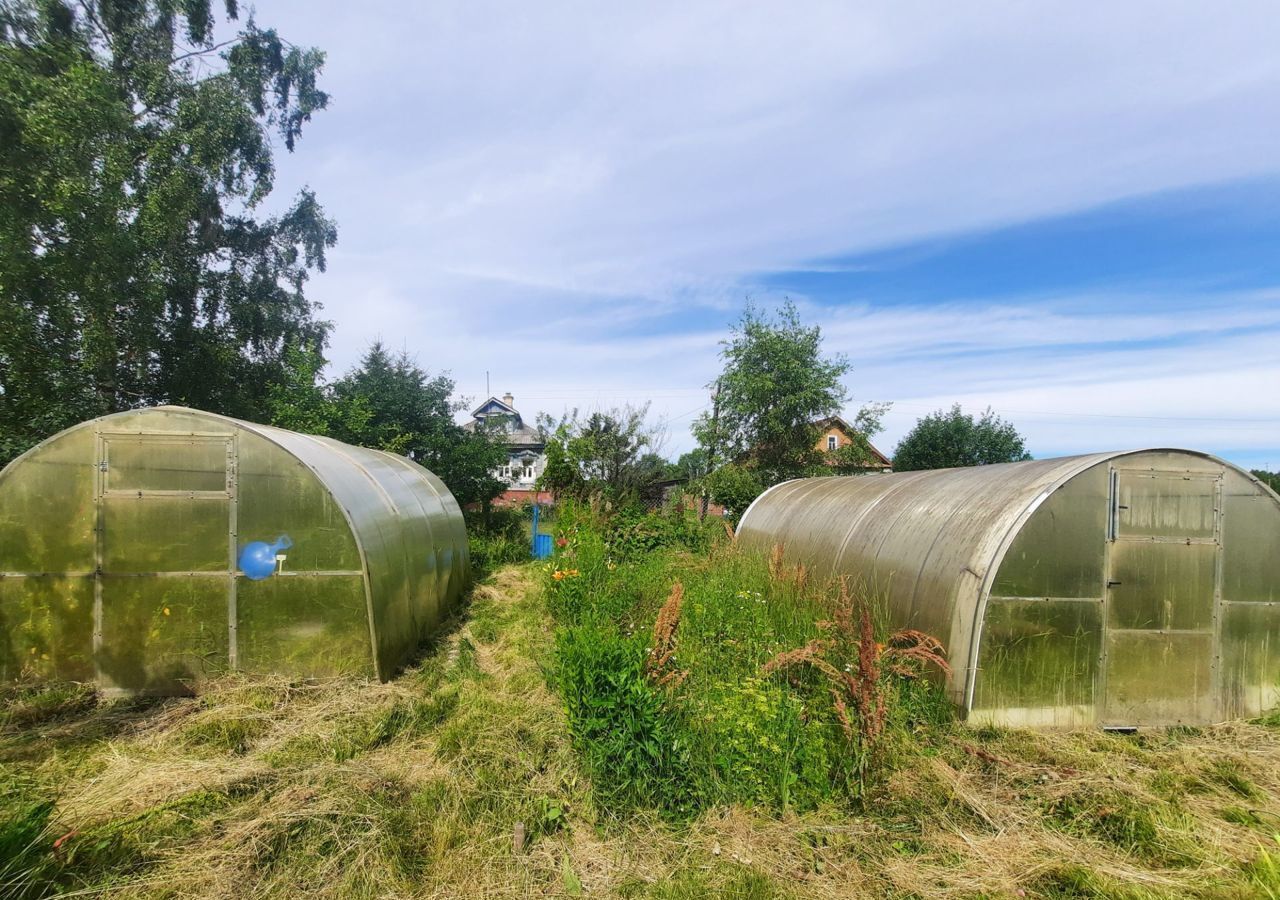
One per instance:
(1121, 589)
(153, 548)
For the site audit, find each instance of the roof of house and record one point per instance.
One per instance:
(520, 434)
(879, 458)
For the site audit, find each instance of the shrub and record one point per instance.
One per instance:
(734, 487)
(488, 552)
(500, 538)
(633, 532)
(619, 721)
(660, 662)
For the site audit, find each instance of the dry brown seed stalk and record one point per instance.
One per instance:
(664, 641)
(801, 576)
(787, 658)
(775, 562)
(842, 713)
(871, 704)
(910, 644)
(844, 610)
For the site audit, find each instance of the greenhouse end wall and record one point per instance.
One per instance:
(1121, 589)
(120, 542)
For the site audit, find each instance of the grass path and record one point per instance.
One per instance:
(264, 787)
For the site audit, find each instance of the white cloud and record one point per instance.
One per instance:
(539, 190)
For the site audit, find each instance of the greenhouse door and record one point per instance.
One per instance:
(164, 592)
(1162, 575)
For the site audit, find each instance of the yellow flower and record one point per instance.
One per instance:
(166, 610)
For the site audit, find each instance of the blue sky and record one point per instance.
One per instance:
(1069, 214)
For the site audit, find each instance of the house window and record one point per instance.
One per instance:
(504, 472)
(526, 473)
(832, 441)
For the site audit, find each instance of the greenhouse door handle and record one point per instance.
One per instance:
(1112, 584)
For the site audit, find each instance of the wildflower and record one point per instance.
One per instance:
(166, 610)
(562, 542)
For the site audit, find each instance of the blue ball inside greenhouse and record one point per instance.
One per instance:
(258, 559)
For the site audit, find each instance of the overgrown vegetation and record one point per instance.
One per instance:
(652, 712)
(498, 537)
(677, 671)
(609, 454)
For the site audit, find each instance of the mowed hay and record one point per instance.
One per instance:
(347, 788)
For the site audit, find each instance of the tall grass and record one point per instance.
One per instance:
(278, 788)
(708, 720)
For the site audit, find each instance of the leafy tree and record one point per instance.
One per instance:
(610, 452)
(390, 403)
(944, 440)
(300, 401)
(559, 475)
(135, 155)
(734, 486)
(776, 385)
(694, 465)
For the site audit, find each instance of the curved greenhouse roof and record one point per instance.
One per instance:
(154, 547)
(1132, 588)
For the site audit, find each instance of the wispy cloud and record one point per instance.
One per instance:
(578, 197)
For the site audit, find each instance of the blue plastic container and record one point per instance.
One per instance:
(258, 560)
(541, 546)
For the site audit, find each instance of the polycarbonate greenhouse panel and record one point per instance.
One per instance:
(120, 543)
(159, 634)
(1039, 662)
(1251, 655)
(303, 623)
(277, 494)
(1073, 520)
(47, 511)
(1158, 678)
(42, 627)
(1125, 589)
(1251, 548)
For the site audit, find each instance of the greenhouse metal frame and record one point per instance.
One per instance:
(121, 541)
(1123, 589)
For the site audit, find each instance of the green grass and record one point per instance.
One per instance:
(729, 732)
(270, 787)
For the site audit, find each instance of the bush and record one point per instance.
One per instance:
(690, 717)
(619, 722)
(734, 487)
(501, 538)
(633, 532)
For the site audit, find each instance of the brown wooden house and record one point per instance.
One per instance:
(837, 433)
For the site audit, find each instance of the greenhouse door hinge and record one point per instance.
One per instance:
(102, 466)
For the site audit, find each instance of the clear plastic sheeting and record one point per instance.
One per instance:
(1122, 589)
(120, 541)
